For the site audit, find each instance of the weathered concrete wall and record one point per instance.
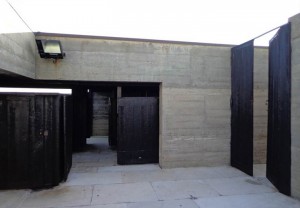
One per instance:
(17, 44)
(260, 105)
(295, 108)
(195, 89)
(196, 127)
(101, 105)
(194, 96)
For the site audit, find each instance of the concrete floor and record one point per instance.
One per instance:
(96, 181)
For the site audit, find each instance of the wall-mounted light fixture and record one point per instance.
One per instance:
(50, 49)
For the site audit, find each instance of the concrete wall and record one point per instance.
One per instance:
(295, 108)
(260, 105)
(17, 44)
(101, 105)
(195, 89)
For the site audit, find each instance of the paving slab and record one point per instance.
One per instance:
(89, 164)
(266, 200)
(129, 168)
(186, 203)
(228, 172)
(266, 182)
(238, 186)
(193, 173)
(93, 178)
(84, 169)
(86, 158)
(12, 198)
(96, 181)
(122, 193)
(187, 189)
(149, 176)
(59, 196)
(101, 206)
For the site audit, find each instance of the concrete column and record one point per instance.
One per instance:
(295, 107)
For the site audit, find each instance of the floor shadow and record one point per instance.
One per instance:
(97, 151)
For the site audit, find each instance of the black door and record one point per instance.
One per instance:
(242, 107)
(279, 120)
(137, 130)
(80, 118)
(15, 134)
(3, 142)
(44, 143)
(31, 129)
(112, 139)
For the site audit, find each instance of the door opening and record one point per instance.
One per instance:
(100, 115)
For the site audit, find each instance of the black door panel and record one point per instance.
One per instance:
(137, 130)
(279, 120)
(242, 107)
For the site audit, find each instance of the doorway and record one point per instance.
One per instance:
(100, 145)
(101, 111)
(278, 151)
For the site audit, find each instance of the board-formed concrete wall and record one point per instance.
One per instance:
(194, 96)
(101, 105)
(295, 108)
(195, 89)
(17, 44)
(260, 105)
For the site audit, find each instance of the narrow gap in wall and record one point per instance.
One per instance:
(100, 107)
(260, 104)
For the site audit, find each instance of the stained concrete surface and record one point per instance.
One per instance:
(96, 181)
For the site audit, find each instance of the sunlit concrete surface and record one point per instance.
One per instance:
(96, 181)
(259, 170)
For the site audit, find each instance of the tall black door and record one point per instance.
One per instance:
(112, 138)
(242, 107)
(3, 143)
(16, 120)
(80, 117)
(279, 120)
(44, 154)
(137, 130)
(31, 141)
(66, 136)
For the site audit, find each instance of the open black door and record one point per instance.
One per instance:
(279, 120)
(80, 117)
(112, 138)
(137, 130)
(242, 107)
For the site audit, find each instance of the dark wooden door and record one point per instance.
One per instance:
(242, 107)
(137, 130)
(45, 158)
(30, 146)
(112, 139)
(3, 142)
(15, 134)
(80, 118)
(279, 120)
